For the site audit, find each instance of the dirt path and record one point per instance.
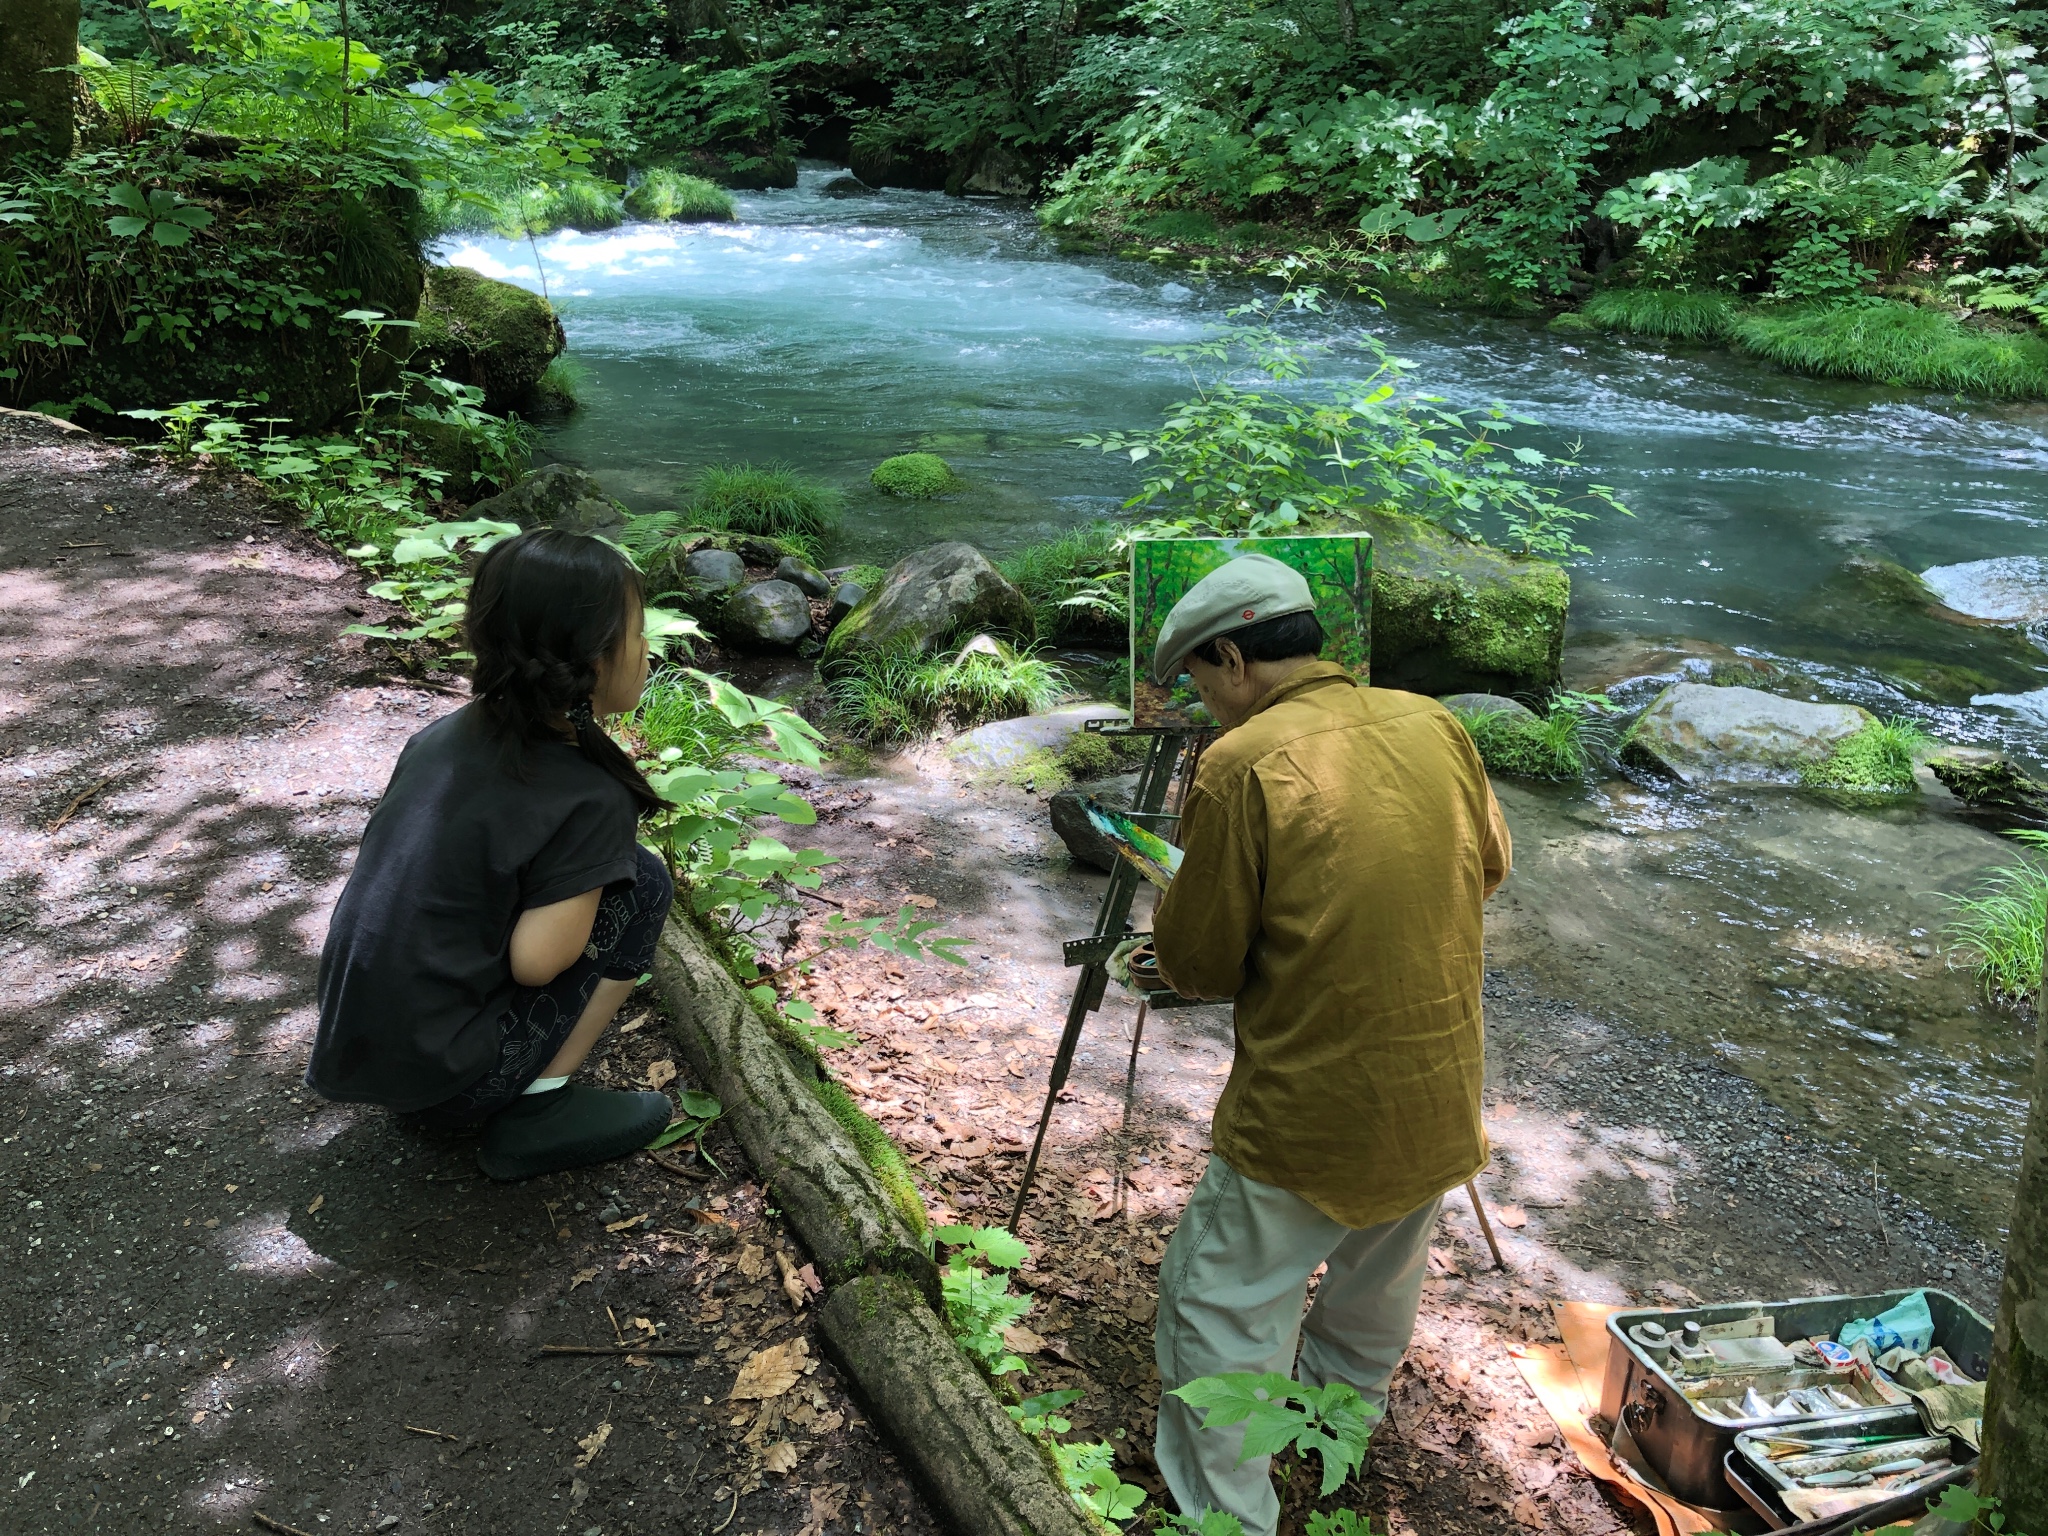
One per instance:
(1628, 1167)
(221, 1295)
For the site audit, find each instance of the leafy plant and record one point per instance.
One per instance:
(1078, 582)
(1232, 460)
(2002, 922)
(426, 563)
(163, 215)
(976, 1284)
(1277, 1411)
(1212, 1522)
(1562, 743)
(699, 1109)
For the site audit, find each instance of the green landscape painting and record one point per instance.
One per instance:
(1339, 573)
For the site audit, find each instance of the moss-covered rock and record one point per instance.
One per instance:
(929, 598)
(916, 476)
(494, 335)
(1450, 615)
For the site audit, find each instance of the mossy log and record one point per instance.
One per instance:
(938, 1409)
(1994, 789)
(819, 1178)
(2015, 1466)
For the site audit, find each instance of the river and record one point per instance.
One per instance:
(1798, 940)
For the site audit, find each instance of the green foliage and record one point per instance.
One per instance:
(1878, 759)
(1078, 582)
(1235, 461)
(677, 722)
(901, 695)
(1666, 312)
(771, 500)
(1562, 743)
(1277, 1411)
(1966, 1507)
(542, 207)
(426, 563)
(561, 384)
(916, 476)
(699, 1110)
(868, 576)
(1214, 1522)
(663, 195)
(976, 1283)
(1886, 342)
(2001, 923)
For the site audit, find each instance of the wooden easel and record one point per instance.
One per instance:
(1168, 748)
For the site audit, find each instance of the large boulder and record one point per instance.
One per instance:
(802, 574)
(1699, 733)
(1450, 615)
(480, 331)
(930, 597)
(767, 616)
(1004, 744)
(560, 496)
(1071, 823)
(713, 572)
(2010, 590)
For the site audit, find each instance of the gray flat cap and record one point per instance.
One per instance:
(1247, 590)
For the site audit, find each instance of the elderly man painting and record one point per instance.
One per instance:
(1339, 842)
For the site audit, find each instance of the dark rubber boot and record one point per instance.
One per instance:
(569, 1127)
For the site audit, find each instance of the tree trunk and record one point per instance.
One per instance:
(1347, 22)
(2015, 1465)
(38, 43)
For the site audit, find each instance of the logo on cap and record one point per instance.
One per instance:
(1249, 614)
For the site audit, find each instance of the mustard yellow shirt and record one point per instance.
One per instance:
(1338, 848)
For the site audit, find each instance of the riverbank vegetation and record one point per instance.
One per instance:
(902, 695)
(2001, 924)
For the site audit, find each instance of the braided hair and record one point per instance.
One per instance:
(545, 608)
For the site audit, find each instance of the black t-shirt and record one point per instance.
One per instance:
(418, 961)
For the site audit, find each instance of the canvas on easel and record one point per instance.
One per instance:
(1338, 568)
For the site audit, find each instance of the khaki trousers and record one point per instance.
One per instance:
(1230, 1293)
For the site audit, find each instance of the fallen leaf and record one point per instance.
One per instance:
(1527, 1513)
(630, 1221)
(233, 1187)
(636, 1022)
(210, 1222)
(923, 903)
(773, 1371)
(812, 1283)
(1022, 1340)
(318, 1201)
(826, 1505)
(579, 1490)
(583, 1277)
(1441, 1262)
(753, 1261)
(198, 1416)
(643, 1324)
(661, 1073)
(592, 1443)
(1142, 1309)
(780, 1458)
(792, 1283)
(1512, 1216)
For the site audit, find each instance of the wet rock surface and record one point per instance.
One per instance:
(1701, 733)
(558, 496)
(930, 596)
(1002, 745)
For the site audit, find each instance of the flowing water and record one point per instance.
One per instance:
(1781, 932)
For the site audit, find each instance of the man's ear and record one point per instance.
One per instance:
(1232, 658)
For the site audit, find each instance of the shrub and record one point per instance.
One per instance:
(1666, 312)
(1078, 583)
(542, 208)
(2001, 924)
(899, 695)
(1885, 342)
(918, 476)
(665, 196)
(1877, 760)
(772, 500)
(1563, 743)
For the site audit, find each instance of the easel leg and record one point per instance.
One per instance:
(1123, 1135)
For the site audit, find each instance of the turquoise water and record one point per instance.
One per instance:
(1789, 937)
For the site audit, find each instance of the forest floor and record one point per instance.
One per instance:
(222, 1295)
(1665, 1183)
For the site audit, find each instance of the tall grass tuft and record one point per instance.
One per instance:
(1078, 583)
(899, 695)
(1877, 760)
(541, 209)
(676, 711)
(1565, 742)
(771, 500)
(1663, 312)
(2001, 924)
(665, 196)
(560, 386)
(1885, 342)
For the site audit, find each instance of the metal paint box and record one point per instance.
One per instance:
(1688, 1451)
